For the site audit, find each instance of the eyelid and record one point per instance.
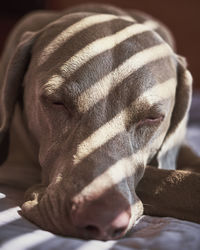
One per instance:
(150, 121)
(59, 103)
(55, 100)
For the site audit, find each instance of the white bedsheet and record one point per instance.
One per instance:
(154, 233)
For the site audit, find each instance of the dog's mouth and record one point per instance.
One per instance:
(106, 217)
(43, 208)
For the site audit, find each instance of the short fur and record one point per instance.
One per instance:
(91, 97)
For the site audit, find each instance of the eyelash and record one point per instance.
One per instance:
(59, 104)
(62, 106)
(150, 121)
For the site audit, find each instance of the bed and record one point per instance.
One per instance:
(149, 233)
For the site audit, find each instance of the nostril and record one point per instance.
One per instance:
(92, 229)
(96, 219)
(117, 232)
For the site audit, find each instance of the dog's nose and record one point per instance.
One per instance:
(104, 219)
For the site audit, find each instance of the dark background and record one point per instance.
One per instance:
(181, 16)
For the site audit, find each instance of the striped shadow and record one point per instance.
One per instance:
(101, 45)
(119, 123)
(94, 49)
(102, 88)
(75, 28)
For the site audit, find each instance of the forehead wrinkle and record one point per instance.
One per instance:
(102, 44)
(101, 88)
(72, 30)
(109, 42)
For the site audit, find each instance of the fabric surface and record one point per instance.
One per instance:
(150, 232)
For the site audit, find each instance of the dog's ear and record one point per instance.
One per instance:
(14, 62)
(167, 155)
(10, 86)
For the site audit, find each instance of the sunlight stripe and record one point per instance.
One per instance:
(28, 240)
(188, 78)
(118, 124)
(160, 91)
(9, 215)
(118, 172)
(100, 89)
(2, 196)
(152, 25)
(102, 44)
(109, 42)
(101, 136)
(89, 245)
(55, 82)
(75, 28)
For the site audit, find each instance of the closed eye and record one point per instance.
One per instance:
(150, 121)
(61, 106)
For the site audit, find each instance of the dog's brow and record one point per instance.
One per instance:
(159, 92)
(50, 89)
(118, 124)
(101, 89)
(96, 48)
(71, 31)
(102, 44)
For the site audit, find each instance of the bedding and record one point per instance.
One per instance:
(149, 233)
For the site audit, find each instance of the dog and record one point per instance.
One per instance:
(94, 104)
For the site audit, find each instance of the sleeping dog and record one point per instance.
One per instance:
(91, 98)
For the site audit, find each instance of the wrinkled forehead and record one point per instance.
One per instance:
(90, 56)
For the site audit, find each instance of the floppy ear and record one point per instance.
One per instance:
(14, 62)
(12, 78)
(167, 155)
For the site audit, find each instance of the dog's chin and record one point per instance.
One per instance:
(48, 210)
(43, 208)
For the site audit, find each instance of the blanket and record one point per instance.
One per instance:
(160, 233)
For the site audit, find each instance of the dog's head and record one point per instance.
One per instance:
(104, 96)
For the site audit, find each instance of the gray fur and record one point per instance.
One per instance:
(55, 139)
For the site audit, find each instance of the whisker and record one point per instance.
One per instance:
(144, 204)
